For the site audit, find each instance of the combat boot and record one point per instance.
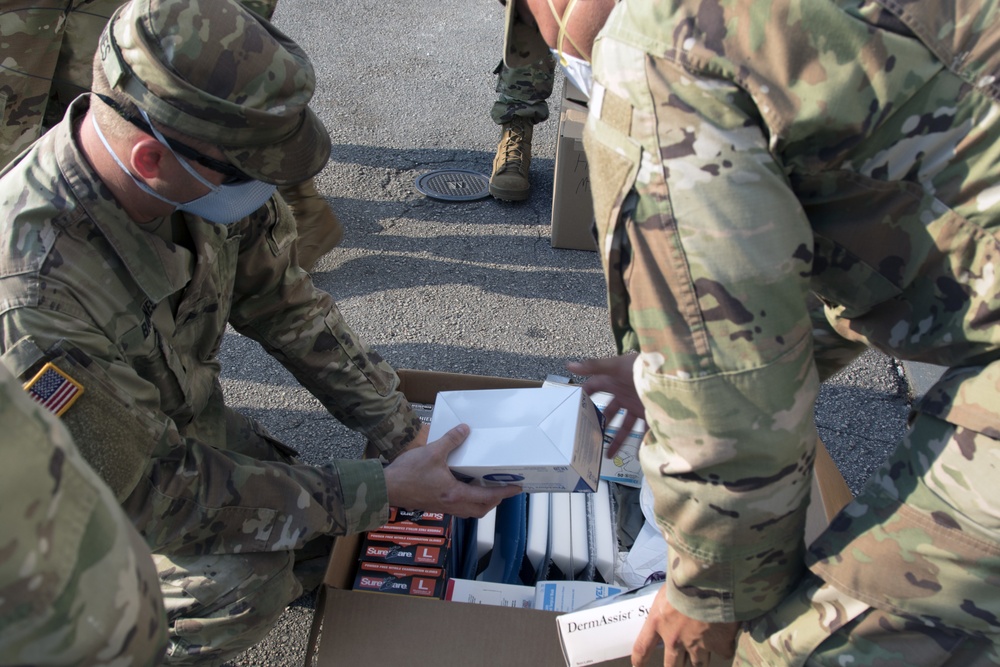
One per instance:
(318, 228)
(510, 166)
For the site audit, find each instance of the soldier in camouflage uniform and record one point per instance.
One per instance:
(107, 278)
(49, 48)
(77, 585)
(524, 86)
(744, 154)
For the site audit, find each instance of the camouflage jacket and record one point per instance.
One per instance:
(744, 154)
(140, 319)
(77, 583)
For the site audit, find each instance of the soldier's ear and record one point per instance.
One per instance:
(147, 157)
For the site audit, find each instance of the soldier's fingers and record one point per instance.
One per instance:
(584, 366)
(616, 443)
(480, 500)
(452, 439)
(646, 640)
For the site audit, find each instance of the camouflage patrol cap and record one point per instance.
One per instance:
(522, 43)
(214, 71)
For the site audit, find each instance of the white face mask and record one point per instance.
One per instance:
(577, 70)
(224, 204)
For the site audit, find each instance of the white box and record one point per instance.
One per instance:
(624, 466)
(541, 439)
(485, 592)
(605, 629)
(565, 596)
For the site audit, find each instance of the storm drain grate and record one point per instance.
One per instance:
(454, 185)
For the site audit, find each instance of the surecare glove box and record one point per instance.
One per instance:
(356, 628)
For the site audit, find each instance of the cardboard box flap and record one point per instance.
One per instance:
(380, 629)
(833, 490)
(423, 386)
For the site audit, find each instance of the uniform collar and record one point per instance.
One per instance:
(158, 267)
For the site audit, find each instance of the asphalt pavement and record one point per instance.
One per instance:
(405, 88)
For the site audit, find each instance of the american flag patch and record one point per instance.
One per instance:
(55, 390)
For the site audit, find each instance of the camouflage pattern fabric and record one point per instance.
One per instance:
(219, 606)
(743, 155)
(49, 48)
(524, 91)
(252, 103)
(150, 312)
(145, 313)
(819, 626)
(77, 584)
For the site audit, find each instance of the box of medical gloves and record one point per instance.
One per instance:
(606, 629)
(354, 628)
(541, 439)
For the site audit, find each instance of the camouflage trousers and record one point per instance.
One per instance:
(219, 605)
(947, 617)
(818, 626)
(524, 91)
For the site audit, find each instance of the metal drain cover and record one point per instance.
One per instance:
(454, 185)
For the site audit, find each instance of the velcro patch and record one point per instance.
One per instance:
(55, 390)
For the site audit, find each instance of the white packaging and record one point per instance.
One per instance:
(560, 534)
(541, 439)
(536, 548)
(605, 629)
(485, 592)
(565, 596)
(624, 466)
(604, 534)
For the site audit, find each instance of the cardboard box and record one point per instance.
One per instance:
(572, 207)
(355, 625)
(542, 439)
(624, 466)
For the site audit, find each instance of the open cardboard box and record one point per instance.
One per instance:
(360, 628)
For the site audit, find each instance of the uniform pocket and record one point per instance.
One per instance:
(613, 160)
(114, 434)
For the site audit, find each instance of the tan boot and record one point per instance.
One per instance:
(318, 228)
(510, 166)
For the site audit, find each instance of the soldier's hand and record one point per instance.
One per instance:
(684, 639)
(419, 440)
(420, 479)
(614, 376)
